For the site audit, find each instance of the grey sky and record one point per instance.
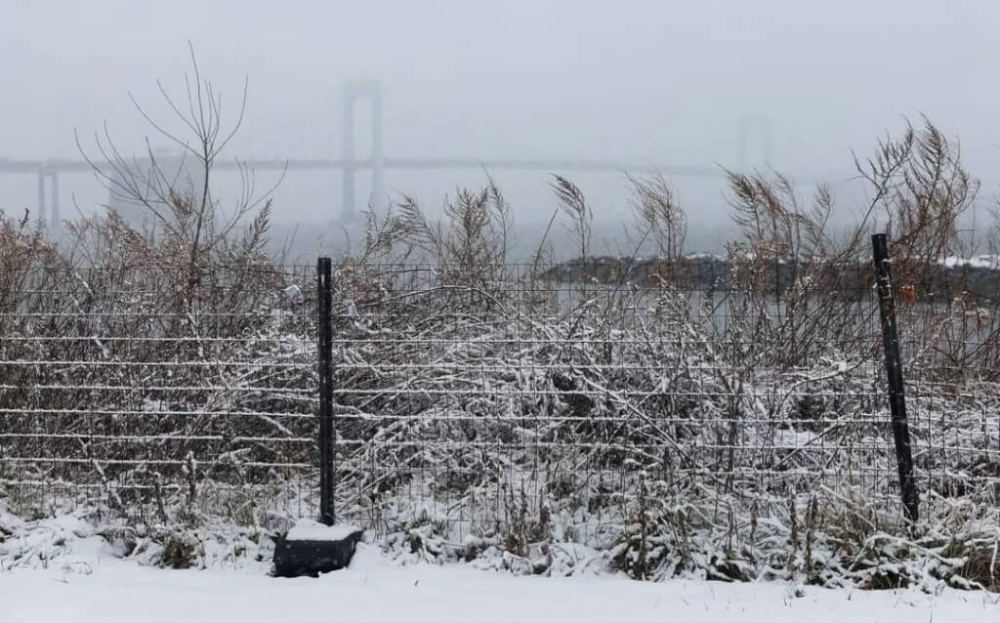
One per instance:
(641, 80)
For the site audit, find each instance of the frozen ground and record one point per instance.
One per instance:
(377, 591)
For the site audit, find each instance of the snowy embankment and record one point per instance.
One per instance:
(375, 590)
(62, 570)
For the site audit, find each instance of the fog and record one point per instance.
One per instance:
(634, 81)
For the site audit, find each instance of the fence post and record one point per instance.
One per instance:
(894, 374)
(327, 434)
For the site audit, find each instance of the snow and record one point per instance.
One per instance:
(990, 262)
(7, 521)
(375, 590)
(309, 530)
(68, 539)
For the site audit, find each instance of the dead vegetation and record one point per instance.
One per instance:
(736, 432)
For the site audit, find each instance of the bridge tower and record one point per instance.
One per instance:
(371, 91)
(41, 196)
(55, 218)
(48, 207)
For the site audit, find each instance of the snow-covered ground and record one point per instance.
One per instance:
(375, 590)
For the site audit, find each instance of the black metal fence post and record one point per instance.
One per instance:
(327, 434)
(894, 373)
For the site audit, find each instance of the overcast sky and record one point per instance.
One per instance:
(638, 80)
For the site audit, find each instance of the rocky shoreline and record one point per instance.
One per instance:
(978, 277)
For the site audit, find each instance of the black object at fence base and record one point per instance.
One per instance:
(294, 559)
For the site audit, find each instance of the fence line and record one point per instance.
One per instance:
(481, 403)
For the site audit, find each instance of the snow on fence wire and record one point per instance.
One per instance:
(519, 396)
(125, 387)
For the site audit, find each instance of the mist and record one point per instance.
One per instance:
(636, 82)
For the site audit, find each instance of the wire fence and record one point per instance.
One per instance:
(122, 386)
(526, 397)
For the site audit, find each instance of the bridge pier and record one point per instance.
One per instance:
(378, 159)
(48, 199)
(347, 205)
(41, 196)
(353, 91)
(55, 220)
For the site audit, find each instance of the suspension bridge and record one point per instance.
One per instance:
(49, 170)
